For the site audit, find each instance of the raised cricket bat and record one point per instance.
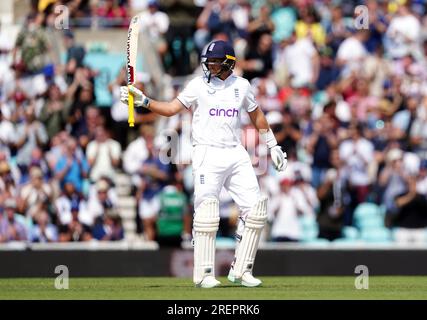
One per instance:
(132, 48)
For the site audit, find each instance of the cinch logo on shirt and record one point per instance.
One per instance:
(223, 112)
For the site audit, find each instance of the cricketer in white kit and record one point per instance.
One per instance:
(218, 99)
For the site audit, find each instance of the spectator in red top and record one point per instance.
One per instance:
(114, 15)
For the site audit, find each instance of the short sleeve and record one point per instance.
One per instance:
(189, 95)
(249, 102)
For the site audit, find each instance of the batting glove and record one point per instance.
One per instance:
(140, 99)
(279, 158)
(277, 155)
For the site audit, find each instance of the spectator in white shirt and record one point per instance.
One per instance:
(286, 225)
(44, 230)
(36, 195)
(352, 52)
(102, 197)
(64, 203)
(305, 196)
(103, 155)
(156, 24)
(357, 154)
(7, 131)
(136, 153)
(301, 60)
(403, 33)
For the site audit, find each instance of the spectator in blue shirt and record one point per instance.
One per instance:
(10, 228)
(108, 227)
(72, 166)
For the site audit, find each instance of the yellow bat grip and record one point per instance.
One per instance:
(131, 119)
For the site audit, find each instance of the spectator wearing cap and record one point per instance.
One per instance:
(10, 228)
(43, 230)
(36, 195)
(72, 166)
(103, 155)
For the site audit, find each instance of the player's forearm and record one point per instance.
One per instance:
(259, 121)
(162, 108)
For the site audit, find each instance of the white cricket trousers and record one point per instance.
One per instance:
(231, 167)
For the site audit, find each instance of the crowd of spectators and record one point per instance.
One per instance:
(347, 104)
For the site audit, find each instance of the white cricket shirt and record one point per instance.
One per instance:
(217, 109)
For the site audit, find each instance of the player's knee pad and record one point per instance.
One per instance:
(248, 246)
(205, 226)
(206, 217)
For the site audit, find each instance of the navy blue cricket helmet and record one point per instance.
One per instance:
(218, 49)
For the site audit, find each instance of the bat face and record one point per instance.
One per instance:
(132, 47)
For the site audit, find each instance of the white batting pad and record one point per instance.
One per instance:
(205, 226)
(248, 246)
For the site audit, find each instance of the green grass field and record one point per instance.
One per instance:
(390, 287)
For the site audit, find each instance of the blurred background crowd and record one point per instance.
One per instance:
(347, 104)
